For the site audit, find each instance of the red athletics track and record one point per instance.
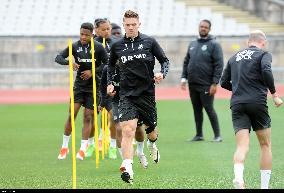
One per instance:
(49, 96)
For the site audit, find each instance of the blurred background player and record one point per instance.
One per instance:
(116, 30)
(83, 86)
(248, 75)
(103, 31)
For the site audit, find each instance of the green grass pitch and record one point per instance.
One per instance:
(31, 137)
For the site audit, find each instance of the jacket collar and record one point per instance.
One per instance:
(130, 39)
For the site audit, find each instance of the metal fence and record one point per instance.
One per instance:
(28, 62)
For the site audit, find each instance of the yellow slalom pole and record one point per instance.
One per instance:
(74, 180)
(95, 103)
(103, 125)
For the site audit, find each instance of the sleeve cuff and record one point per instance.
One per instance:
(183, 80)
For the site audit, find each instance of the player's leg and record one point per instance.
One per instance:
(118, 138)
(112, 148)
(242, 141)
(88, 118)
(67, 132)
(128, 133)
(207, 103)
(117, 126)
(148, 113)
(139, 137)
(242, 125)
(128, 122)
(91, 140)
(152, 135)
(261, 124)
(265, 156)
(198, 114)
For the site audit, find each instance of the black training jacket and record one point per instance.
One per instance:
(109, 42)
(103, 87)
(136, 60)
(83, 57)
(203, 63)
(248, 75)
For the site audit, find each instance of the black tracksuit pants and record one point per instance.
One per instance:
(200, 99)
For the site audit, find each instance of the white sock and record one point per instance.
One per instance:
(91, 141)
(140, 147)
(112, 143)
(120, 152)
(84, 144)
(151, 144)
(65, 141)
(239, 172)
(265, 178)
(127, 163)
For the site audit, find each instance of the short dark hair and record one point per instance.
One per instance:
(130, 14)
(88, 26)
(99, 21)
(207, 21)
(115, 26)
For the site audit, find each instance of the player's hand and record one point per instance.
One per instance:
(277, 101)
(158, 77)
(76, 66)
(213, 89)
(183, 84)
(110, 90)
(100, 108)
(85, 75)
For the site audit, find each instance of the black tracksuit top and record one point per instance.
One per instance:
(103, 86)
(136, 60)
(248, 75)
(83, 57)
(203, 63)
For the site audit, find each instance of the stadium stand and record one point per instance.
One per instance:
(33, 31)
(53, 18)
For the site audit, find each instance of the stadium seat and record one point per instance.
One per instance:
(62, 17)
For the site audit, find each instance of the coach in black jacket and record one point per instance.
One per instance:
(202, 68)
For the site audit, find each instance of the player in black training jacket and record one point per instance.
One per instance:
(136, 54)
(248, 75)
(103, 30)
(139, 133)
(83, 86)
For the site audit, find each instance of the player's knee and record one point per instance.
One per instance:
(152, 134)
(128, 131)
(88, 118)
(149, 129)
(264, 144)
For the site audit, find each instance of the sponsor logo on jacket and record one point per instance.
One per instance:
(246, 54)
(84, 60)
(130, 58)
